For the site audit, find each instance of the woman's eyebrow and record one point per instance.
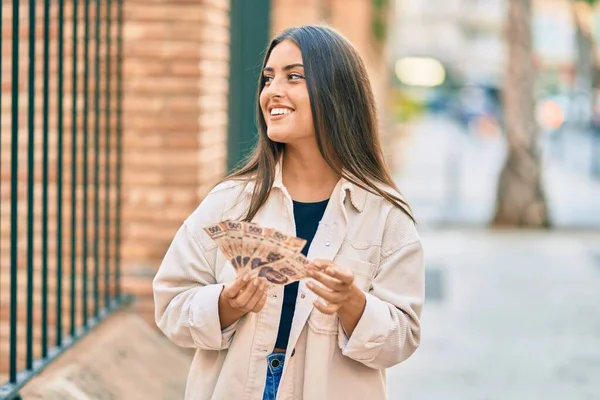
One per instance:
(286, 68)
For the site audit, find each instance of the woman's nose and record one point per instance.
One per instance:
(274, 88)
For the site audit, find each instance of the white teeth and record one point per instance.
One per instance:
(280, 111)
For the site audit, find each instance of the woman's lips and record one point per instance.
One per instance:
(278, 117)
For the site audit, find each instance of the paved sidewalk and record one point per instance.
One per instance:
(510, 315)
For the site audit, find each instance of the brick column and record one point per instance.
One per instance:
(287, 13)
(175, 117)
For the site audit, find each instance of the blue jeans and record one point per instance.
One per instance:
(274, 371)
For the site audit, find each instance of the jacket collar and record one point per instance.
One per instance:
(358, 196)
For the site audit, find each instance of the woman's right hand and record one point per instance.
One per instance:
(240, 297)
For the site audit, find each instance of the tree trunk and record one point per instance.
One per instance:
(586, 55)
(520, 201)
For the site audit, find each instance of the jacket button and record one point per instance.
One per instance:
(302, 295)
(328, 243)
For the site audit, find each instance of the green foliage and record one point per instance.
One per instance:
(590, 2)
(379, 24)
(379, 29)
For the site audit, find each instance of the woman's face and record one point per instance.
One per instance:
(284, 99)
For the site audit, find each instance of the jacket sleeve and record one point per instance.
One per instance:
(389, 330)
(186, 293)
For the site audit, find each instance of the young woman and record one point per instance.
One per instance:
(317, 172)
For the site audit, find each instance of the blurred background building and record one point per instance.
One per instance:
(164, 107)
(467, 38)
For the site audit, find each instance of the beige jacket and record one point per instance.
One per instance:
(359, 231)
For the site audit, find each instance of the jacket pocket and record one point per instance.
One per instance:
(323, 323)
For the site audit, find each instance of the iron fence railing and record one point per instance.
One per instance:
(92, 192)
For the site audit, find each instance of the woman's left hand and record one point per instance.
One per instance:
(338, 288)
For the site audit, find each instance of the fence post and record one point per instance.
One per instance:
(250, 29)
(99, 52)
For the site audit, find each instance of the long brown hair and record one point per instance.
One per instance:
(344, 117)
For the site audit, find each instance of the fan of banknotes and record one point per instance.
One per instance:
(263, 252)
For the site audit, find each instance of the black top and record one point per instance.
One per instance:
(307, 216)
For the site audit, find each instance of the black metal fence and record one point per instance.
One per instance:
(63, 223)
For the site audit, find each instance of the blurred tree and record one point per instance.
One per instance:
(380, 17)
(520, 200)
(587, 78)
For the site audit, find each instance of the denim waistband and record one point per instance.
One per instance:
(275, 362)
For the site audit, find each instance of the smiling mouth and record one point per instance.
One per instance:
(280, 112)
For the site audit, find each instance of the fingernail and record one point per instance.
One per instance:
(246, 278)
(255, 282)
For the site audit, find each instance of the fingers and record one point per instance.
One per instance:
(245, 299)
(231, 290)
(336, 285)
(326, 308)
(327, 280)
(322, 264)
(326, 294)
(260, 304)
(347, 277)
(332, 270)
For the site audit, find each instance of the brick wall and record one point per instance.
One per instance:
(287, 13)
(174, 119)
(176, 72)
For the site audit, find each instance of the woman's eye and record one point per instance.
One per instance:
(267, 79)
(295, 77)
